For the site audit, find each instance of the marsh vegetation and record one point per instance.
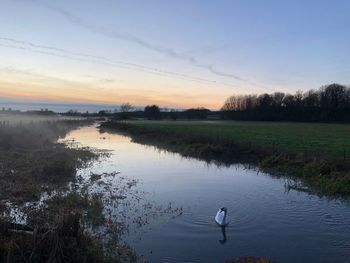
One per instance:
(67, 217)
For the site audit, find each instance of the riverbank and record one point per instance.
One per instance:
(316, 154)
(41, 193)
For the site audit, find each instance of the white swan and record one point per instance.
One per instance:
(221, 217)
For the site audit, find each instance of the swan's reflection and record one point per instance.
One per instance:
(223, 231)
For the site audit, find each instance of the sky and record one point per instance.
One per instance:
(174, 53)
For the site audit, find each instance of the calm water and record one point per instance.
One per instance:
(265, 220)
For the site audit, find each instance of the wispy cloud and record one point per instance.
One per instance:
(144, 43)
(67, 54)
(81, 57)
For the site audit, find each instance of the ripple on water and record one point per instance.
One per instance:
(265, 219)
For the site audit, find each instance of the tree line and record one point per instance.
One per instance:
(329, 103)
(154, 112)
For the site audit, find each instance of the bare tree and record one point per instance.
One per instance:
(330, 103)
(124, 109)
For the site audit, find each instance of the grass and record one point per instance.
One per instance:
(319, 139)
(80, 219)
(314, 153)
(33, 163)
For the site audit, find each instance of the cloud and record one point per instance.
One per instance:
(83, 57)
(141, 42)
(63, 53)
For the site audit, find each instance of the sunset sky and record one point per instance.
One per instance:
(180, 53)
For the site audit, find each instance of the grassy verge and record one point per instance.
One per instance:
(314, 153)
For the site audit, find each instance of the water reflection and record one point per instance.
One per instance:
(268, 221)
(224, 238)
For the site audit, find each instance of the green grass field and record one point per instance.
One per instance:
(320, 139)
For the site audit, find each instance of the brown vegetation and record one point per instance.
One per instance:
(32, 161)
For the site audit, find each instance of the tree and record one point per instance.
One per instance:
(288, 101)
(197, 113)
(311, 99)
(329, 103)
(173, 114)
(124, 109)
(265, 101)
(334, 96)
(152, 112)
(278, 98)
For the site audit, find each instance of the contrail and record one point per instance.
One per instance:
(63, 53)
(134, 39)
(83, 57)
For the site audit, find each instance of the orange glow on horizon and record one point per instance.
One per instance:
(139, 91)
(95, 96)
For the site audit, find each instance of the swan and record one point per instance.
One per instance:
(221, 217)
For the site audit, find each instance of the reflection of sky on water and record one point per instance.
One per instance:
(265, 220)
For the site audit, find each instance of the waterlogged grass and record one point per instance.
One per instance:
(74, 217)
(319, 139)
(32, 162)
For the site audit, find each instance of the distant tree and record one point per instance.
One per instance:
(329, 103)
(152, 112)
(288, 101)
(311, 99)
(235, 103)
(71, 112)
(278, 99)
(124, 109)
(230, 104)
(102, 113)
(298, 98)
(196, 113)
(333, 96)
(173, 114)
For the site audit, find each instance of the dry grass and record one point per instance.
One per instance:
(32, 162)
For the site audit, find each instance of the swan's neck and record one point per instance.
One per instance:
(224, 219)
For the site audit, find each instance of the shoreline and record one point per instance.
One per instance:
(321, 176)
(61, 226)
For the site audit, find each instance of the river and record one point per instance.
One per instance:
(265, 220)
